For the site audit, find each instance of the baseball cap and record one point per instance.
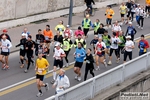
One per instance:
(96, 35)
(67, 26)
(128, 37)
(57, 44)
(4, 30)
(23, 34)
(130, 23)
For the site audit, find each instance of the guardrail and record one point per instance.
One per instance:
(112, 77)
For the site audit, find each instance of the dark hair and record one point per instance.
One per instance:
(79, 28)
(39, 30)
(48, 26)
(90, 49)
(102, 24)
(98, 20)
(114, 33)
(106, 31)
(62, 22)
(81, 44)
(142, 35)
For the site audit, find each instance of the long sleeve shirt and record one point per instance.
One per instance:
(6, 45)
(62, 81)
(22, 44)
(89, 2)
(80, 54)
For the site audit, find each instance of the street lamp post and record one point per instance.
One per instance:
(70, 13)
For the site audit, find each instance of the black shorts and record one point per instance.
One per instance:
(122, 15)
(58, 62)
(5, 53)
(22, 53)
(147, 9)
(41, 77)
(78, 64)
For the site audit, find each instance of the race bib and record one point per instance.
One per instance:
(22, 47)
(58, 90)
(129, 31)
(46, 38)
(38, 41)
(40, 70)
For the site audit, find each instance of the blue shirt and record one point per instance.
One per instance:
(80, 54)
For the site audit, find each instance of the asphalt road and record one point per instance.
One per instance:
(28, 91)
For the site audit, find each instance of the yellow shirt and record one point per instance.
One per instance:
(109, 12)
(123, 9)
(147, 2)
(41, 66)
(61, 28)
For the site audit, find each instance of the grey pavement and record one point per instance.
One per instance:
(15, 74)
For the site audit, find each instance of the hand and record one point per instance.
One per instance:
(105, 14)
(60, 87)
(110, 14)
(26, 48)
(32, 48)
(35, 69)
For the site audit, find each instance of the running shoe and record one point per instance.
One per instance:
(47, 87)
(4, 66)
(118, 59)
(39, 94)
(53, 81)
(7, 67)
(109, 63)
(105, 64)
(26, 71)
(79, 78)
(98, 68)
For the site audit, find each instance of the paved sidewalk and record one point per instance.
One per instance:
(15, 33)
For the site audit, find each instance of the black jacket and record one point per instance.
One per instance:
(100, 31)
(22, 43)
(58, 39)
(91, 60)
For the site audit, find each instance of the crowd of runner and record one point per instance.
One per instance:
(104, 45)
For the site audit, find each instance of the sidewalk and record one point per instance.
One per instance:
(15, 33)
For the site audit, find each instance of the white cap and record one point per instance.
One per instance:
(138, 4)
(66, 35)
(128, 37)
(96, 35)
(57, 44)
(23, 34)
(130, 23)
(67, 26)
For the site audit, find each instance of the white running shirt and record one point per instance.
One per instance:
(57, 53)
(6, 45)
(129, 44)
(114, 39)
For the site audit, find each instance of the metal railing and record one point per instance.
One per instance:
(112, 77)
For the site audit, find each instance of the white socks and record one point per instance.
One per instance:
(54, 75)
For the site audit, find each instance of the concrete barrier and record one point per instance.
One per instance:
(20, 12)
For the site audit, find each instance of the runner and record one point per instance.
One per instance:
(5, 33)
(48, 37)
(60, 27)
(134, 6)
(131, 31)
(100, 52)
(147, 8)
(89, 64)
(77, 32)
(79, 55)
(89, 5)
(57, 38)
(129, 46)
(62, 82)
(122, 43)
(142, 14)
(143, 45)
(129, 8)
(68, 31)
(94, 42)
(42, 49)
(114, 47)
(39, 37)
(96, 26)
(41, 68)
(137, 12)
(59, 54)
(79, 39)
(109, 15)
(67, 45)
(123, 11)
(22, 49)
(106, 39)
(86, 23)
(5, 50)
(116, 28)
(29, 51)
(100, 30)
(25, 31)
